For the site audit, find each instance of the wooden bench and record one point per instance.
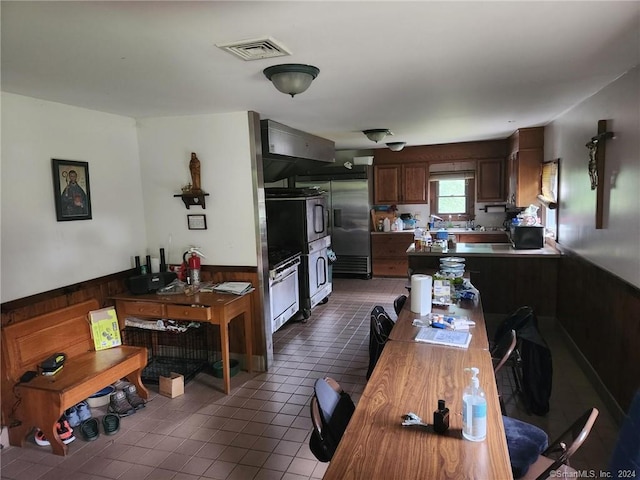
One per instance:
(42, 401)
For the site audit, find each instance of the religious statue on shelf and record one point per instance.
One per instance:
(194, 168)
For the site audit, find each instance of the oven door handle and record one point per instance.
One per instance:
(322, 263)
(280, 280)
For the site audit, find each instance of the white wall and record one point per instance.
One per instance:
(39, 253)
(222, 144)
(616, 247)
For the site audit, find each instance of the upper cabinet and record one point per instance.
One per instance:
(526, 154)
(491, 184)
(401, 183)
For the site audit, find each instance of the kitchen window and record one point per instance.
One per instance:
(452, 195)
(549, 197)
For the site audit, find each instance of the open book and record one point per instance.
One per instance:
(237, 288)
(439, 336)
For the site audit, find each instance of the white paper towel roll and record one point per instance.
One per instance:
(155, 264)
(421, 294)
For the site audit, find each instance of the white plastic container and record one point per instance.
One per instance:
(474, 409)
(386, 225)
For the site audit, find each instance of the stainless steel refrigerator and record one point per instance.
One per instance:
(348, 202)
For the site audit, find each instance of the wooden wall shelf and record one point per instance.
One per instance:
(193, 199)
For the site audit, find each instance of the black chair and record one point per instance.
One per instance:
(380, 328)
(531, 362)
(398, 303)
(331, 410)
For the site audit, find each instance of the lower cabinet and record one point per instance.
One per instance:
(389, 254)
(497, 237)
(506, 283)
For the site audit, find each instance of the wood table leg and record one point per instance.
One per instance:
(248, 341)
(224, 339)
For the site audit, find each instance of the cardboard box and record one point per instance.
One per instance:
(104, 328)
(172, 386)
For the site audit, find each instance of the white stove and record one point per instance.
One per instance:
(284, 291)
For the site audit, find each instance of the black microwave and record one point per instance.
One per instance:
(527, 236)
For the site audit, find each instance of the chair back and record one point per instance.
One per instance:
(503, 350)
(380, 328)
(563, 447)
(331, 410)
(398, 303)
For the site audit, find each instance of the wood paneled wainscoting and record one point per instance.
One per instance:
(103, 288)
(600, 313)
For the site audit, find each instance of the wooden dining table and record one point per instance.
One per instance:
(412, 376)
(405, 331)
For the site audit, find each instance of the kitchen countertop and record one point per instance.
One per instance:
(449, 230)
(487, 250)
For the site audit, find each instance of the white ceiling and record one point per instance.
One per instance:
(432, 72)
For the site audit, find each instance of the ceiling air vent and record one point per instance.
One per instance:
(256, 49)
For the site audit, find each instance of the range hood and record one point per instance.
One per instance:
(287, 152)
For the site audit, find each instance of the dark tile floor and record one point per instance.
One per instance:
(261, 430)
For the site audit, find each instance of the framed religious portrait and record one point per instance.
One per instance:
(71, 190)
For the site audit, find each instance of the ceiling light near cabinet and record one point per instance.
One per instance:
(377, 134)
(396, 146)
(291, 78)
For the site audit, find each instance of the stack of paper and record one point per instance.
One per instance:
(237, 288)
(439, 336)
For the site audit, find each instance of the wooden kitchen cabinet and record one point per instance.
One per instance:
(401, 183)
(497, 237)
(491, 183)
(526, 147)
(389, 254)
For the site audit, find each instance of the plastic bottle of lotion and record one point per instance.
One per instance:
(474, 409)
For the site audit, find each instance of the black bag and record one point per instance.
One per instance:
(537, 366)
(324, 445)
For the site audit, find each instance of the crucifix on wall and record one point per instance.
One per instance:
(596, 148)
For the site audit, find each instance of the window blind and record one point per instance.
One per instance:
(466, 175)
(549, 192)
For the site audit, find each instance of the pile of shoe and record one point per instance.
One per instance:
(126, 401)
(64, 430)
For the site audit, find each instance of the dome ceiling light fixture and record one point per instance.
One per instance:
(291, 78)
(377, 134)
(396, 146)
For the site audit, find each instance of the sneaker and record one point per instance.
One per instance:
(134, 399)
(119, 405)
(64, 429)
(64, 432)
(84, 412)
(73, 417)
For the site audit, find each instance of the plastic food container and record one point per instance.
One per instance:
(234, 368)
(101, 398)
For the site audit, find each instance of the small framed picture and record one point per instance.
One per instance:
(71, 190)
(197, 222)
